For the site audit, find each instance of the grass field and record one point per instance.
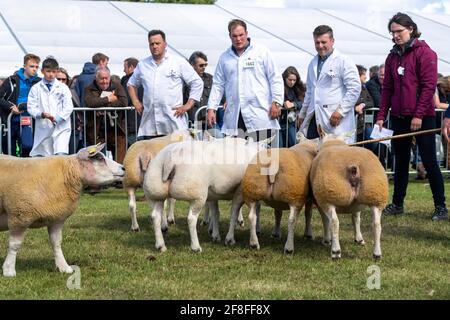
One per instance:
(116, 263)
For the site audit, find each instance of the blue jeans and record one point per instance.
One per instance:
(288, 136)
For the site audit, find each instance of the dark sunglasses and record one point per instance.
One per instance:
(62, 79)
(203, 65)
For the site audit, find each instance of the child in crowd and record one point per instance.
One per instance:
(50, 103)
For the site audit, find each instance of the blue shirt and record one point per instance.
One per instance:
(321, 62)
(25, 86)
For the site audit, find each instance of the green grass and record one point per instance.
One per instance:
(116, 263)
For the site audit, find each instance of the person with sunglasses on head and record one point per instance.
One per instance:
(408, 89)
(199, 61)
(13, 99)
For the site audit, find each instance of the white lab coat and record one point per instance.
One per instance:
(50, 139)
(251, 83)
(163, 93)
(338, 88)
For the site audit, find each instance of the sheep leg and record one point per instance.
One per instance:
(236, 207)
(194, 210)
(171, 217)
(157, 212)
(212, 215)
(16, 237)
(214, 206)
(326, 228)
(206, 221)
(335, 245)
(55, 235)
(308, 217)
(276, 232)
(240, 219)
(164, 223)
(356, 219)
(258, 221)
(376, 225)
(252, 217)
(293, 215)
(132, 208)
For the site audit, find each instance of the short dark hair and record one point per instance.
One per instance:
(29, 57)
(155, 32)
(236, 22)
(361, 69)
(404, 20)
(50, 63)
(99, 57)
(195, 55)
(321, 30)
(374, 69)
(131, 62)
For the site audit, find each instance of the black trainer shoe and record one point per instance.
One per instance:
(393, 210)
(440, 213)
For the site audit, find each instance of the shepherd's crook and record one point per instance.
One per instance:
(399, 136)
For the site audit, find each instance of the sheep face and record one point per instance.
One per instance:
(96, 169)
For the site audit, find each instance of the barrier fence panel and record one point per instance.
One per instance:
(385, 153)
(110, 125)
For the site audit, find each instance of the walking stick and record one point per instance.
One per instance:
(399, 136)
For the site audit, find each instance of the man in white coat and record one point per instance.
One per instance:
(50, 103)
(332, 89)
(162, 76)
(253, 86)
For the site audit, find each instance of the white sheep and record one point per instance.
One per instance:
(136, 162)
(345, 179)
(280, 177)
(197, 171)
(44, 192)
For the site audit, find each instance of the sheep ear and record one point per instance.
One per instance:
(90, 151)
(96, 149)
(300, 137)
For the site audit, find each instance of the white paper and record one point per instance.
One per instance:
(377, 134)
(105, 94)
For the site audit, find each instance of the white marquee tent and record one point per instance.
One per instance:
(72, 31)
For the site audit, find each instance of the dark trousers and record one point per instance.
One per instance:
(22, 135)
(427, 150)
(256, 135)
(312, 129)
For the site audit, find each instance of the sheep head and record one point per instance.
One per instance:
(96, 169)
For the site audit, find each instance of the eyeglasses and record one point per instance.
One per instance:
(203, 65)
(61, 79)
(393, 32)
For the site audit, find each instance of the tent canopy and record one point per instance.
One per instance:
(72, 31)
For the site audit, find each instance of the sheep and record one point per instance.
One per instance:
(197, 171)
(136, 162)
(38, 192)
(280, 177)
(344, 179)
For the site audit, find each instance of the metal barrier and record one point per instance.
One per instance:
(79, 132)
(198, 127)
(385, 153)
